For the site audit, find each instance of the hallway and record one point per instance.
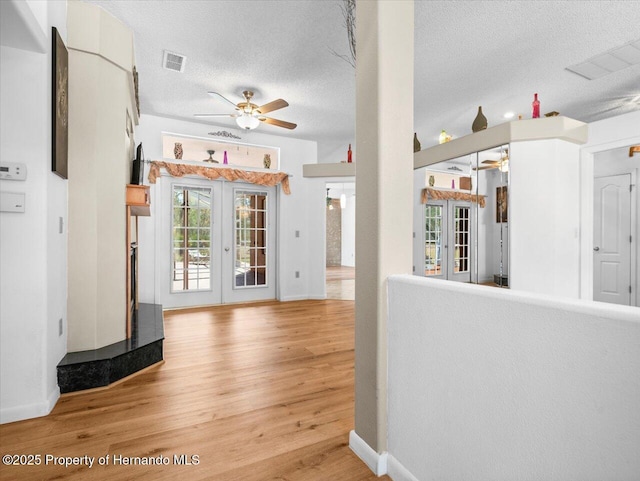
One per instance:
(257, 392)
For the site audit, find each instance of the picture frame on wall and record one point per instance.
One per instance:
(502, 214)
(60, 106)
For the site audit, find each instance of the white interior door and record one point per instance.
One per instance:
(249, 241)
(612, 239)
(448, 240)
(220, 240)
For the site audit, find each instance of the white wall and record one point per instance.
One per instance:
(33, 254)
(349, 229)
(490, 384)
(544, 217)
(303, 254)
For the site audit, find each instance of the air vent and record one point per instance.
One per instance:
(616, 59)
(173, 61)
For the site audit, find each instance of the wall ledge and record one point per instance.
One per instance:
(376, 462)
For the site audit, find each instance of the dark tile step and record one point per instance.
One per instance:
(101, 367)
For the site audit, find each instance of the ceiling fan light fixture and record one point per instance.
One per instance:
(247, 121)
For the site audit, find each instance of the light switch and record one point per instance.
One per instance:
(11, 202)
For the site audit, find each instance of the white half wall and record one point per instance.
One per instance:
(33, 251)
(490, 384)
(304, 254)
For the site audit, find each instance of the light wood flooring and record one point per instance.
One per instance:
(258, 392)
(341, 283)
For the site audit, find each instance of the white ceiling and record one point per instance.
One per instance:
(467, 53)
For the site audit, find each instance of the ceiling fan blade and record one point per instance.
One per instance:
(278, 123)
(488, 167)
(274, 105)
(216, 94)
(204, 116)
(491, 162)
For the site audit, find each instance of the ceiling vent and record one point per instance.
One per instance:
(173, 61)
(609, 62)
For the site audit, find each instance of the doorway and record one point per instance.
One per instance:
(612, 239)
(340, 240)
(221, 239)
(448, 242)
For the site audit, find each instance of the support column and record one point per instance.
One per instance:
(384, 183)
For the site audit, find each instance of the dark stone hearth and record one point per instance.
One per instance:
(101, 367)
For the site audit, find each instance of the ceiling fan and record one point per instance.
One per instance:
(248, 115)
(502, 163)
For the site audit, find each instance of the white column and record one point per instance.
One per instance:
(384, 183)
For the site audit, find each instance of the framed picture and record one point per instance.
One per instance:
(60, 106)
(501, 204)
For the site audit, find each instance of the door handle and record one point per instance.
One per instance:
(226, 249)
(596, 248)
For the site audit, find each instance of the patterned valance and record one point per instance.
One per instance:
(267, 179)
(435, 194)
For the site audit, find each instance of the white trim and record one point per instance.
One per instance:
(377, 462)
(397, 471)
(296, 298)
(30, 411)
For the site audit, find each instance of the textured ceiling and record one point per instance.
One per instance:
(467, 53)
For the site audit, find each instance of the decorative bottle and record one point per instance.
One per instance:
(535, 107)
(416, 143)
(267, 161)
(349, 155)
(480, 122)
(225, 161)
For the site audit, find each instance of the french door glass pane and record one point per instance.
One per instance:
(251, 239)
(461, 236)
(191, 239)
(433, 240)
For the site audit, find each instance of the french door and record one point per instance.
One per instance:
(448, 242)
(221, 239)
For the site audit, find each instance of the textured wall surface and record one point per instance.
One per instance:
(334, 234)
(489, 384)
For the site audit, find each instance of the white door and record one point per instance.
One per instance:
(612, 239)
(221, 243)
(448, 240)
(248, 259)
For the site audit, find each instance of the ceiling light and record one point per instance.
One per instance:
(343, 201)
(247, 121)
(509, 115)
(616, 59)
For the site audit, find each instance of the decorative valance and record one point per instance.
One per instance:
(435, 194)
(260, 178)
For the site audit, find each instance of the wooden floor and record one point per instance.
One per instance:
(257, 392)
(341, 283)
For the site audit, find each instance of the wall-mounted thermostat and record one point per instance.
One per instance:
(13, 171)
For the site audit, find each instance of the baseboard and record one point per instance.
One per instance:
(377, 462)
(397, 471)
(30, 411)
(294, 298)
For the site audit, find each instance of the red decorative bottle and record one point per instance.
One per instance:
(349, 153)
(535, 107)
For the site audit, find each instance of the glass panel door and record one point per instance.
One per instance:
(251, 239)
(461, 242)
(433, 243)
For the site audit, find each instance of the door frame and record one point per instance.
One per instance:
(162, 233)
(587, 159)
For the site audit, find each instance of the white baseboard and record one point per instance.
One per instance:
(30, 411)
(377, 462)
(397, 471)
(293, 298)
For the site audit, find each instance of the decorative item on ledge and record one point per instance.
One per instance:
(480, 122)
(211, 159)
(349, 155)
(553, 113)
(225, 161)
(435, 194)
(267, 161)
(432, 181)
(416, 143)
(535, 107)
(444, 137)
(224, 133)
(177, 151)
